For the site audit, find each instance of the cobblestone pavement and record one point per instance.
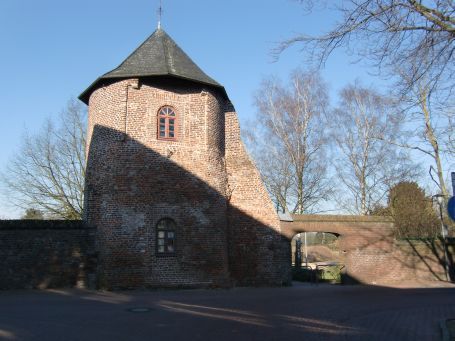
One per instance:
(300, 312)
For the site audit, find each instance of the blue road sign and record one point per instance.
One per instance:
(451, 208)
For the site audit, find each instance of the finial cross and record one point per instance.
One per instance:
(160, 14)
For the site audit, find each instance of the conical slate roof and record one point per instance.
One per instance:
(158, 55)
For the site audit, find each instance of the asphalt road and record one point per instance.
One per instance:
(297, 313)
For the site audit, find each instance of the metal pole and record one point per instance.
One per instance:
(453, 183)
(306, 252)
(298, 252)
(446, 258)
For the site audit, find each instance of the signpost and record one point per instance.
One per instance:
(451, 208)
(451, 203)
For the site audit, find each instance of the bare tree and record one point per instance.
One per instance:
(366, 166)
(276, 171)
(389, 33)
(451, 135)
(47, 174)
(412, 41)
(430, 129)
(290, 131)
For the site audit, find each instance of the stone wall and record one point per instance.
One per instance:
(46, 254)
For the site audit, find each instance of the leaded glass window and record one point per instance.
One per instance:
(165, 237)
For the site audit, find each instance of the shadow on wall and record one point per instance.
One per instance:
(429, 254)
(46, 254)
(130, 187)
(371, 253)
(412, 260)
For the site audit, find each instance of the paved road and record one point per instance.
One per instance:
(297, 313)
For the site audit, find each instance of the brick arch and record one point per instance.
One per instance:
(364, 241)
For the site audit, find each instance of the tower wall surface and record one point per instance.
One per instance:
(134, 180)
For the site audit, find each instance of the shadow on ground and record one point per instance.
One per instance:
(307, 312)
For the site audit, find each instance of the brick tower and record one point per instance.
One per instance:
(175, 198)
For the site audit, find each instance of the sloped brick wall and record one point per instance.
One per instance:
(46, 254)
(258, 253)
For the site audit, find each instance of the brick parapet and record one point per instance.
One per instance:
(343, 219)
(40, 224)
(46, 254)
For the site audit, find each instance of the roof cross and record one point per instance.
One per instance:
(160, 14)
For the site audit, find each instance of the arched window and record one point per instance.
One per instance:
(165, 237)
(167, 123)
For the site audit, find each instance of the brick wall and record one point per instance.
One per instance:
(415, 260)
(46, 254)
(370, 252)
(227, 229)
(259, 254)
(135, 179)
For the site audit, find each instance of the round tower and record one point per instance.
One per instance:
(156, 178)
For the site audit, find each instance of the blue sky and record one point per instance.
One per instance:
(52, 50)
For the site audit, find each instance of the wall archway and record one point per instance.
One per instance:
(365, 242)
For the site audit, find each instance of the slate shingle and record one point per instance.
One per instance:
(158, 55)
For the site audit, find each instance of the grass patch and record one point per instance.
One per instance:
(328, 274)
(331, 274)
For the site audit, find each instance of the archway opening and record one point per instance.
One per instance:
(316, 257)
